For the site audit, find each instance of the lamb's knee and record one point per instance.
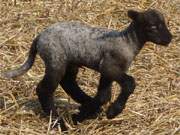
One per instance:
(128, 84)
(103, 97)
(46, 86)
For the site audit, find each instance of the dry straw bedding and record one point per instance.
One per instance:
(154, 108)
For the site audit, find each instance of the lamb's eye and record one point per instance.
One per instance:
(154, 27)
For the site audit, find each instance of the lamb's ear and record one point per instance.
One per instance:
(133, 14)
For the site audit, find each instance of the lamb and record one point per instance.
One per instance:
(67, 46)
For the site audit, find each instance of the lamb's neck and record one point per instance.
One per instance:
(133, 37)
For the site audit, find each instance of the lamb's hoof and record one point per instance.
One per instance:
(86, 114)
(78, 118)
(113, 111)
(61, 123)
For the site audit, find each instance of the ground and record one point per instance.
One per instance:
(154, 108)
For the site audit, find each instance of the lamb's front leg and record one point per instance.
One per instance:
(127, 87)
(104, 91)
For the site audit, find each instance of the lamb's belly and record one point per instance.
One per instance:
(90, 60)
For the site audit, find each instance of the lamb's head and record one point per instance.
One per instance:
(152, 26)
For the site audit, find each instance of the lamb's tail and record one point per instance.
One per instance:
(26, 66)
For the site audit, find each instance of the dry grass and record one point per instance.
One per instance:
(154, 108)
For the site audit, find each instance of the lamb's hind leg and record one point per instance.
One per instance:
(71, 87)
(46, 88)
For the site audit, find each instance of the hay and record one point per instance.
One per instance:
(154, 108)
